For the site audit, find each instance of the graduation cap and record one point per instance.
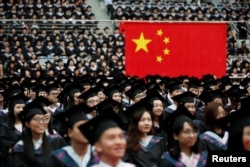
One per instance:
(236, 122)
(140, 106)
(73, 115)
(40, 88)
(95, 127)
(135, 90)
(88, 94)
(17, 99)
(33, 108)
(105, 106)
(194, 83)
(70, 90)
(245, 104)
(14, 90)
(124, 84)
(186, 97)
(52, 87)
(173, 85)
(111, 89)
(33, 86)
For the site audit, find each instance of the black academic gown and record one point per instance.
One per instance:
(213, 142)
(147, 156)
(18, 159)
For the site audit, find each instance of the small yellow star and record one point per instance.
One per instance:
(159, 59)
(141, 43)
(166, 40)
(166, 51)
(159, 32)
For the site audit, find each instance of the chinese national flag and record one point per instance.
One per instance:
(174, 49)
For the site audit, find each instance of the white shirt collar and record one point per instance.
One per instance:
(191, 161)
(38, 143)
(146, 141)
(82, 162)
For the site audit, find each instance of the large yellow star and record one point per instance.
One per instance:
(159, 59)
(159, 32)
(166, 40)
(166, 51)
(141, 43)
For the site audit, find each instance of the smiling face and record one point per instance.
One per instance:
(187, 136)
(157, 107)
(145, 123)
(112, 144)
(38, 124)
(117, 97)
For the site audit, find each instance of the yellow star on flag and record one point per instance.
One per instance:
(141, 43)
(159, 59)
(159, 32)
(166, 40)
(166, 51)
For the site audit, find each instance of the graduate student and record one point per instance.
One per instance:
(34, 147)
(184, 147)
(216, 137)
(79, 152)
(15, 107)
(239, 130)
(105, 133)
(144, 148)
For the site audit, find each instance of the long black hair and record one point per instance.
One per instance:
(29, 148)
(177, 126)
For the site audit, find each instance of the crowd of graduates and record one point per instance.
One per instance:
(79, 109)
(46, 46)
(122, 120)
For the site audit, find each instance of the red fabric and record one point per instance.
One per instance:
(194, 49)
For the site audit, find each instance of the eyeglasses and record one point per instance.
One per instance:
(39, 119)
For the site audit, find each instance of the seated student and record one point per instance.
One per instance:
(16, 105)
(186, 105)
(159, 116)
(239, 130)
(56, 140)
(184, 147)
(34, 147)
(144, 148)
(91, 99)
(79, 152)
(7, 139)
(105, 134)
(174, 89)
(216, 137)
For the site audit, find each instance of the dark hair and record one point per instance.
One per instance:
(29, 147)
(236, 133)
(69, 101)
(163, 116)
(210, 114)
(134, 137)
(178, 125)
(236, 138)
(11, 116)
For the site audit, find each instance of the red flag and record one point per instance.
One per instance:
(174, 49)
